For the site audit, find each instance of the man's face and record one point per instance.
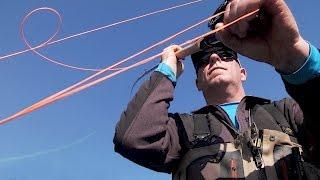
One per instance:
(220, 69)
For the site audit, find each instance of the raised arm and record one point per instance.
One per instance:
(146, 132)
(281, 46)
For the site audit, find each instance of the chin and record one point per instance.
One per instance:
(217, 80)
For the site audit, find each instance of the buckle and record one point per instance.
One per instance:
(201, 136)
(255, 144)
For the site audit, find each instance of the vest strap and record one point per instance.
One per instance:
(201, 126)
(279, 118)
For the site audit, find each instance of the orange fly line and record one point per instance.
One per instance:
(50, 40)
(89, 81)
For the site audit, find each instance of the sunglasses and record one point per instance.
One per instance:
(224, 56)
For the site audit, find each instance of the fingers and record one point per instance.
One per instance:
(228, 38)
(180, 68)
(251, 47)
(231, 11)
(243, 27)
(169, 53)
(274, 44)
(236, 9)
(169, 58)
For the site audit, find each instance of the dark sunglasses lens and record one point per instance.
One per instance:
(204, 60)
(226, 55)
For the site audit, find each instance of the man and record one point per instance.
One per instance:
(234, 136)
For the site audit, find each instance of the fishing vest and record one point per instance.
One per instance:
(258, 153)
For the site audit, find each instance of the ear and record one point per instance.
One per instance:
(243, 74)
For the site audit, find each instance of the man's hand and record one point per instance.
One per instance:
(169, 58)
(280, 45)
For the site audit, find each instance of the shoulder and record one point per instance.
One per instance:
(290, 108)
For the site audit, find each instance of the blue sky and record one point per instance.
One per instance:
(72, 138)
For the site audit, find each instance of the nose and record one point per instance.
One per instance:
(214, 58)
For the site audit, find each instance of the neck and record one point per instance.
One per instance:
(218, 96)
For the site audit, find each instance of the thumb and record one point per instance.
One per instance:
(228, 39)
(180, 68)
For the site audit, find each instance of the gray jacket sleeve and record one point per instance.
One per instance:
(307, 95)
(147, 133)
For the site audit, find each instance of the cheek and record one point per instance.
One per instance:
(236, 74)
(201, 72)
(201, 77)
